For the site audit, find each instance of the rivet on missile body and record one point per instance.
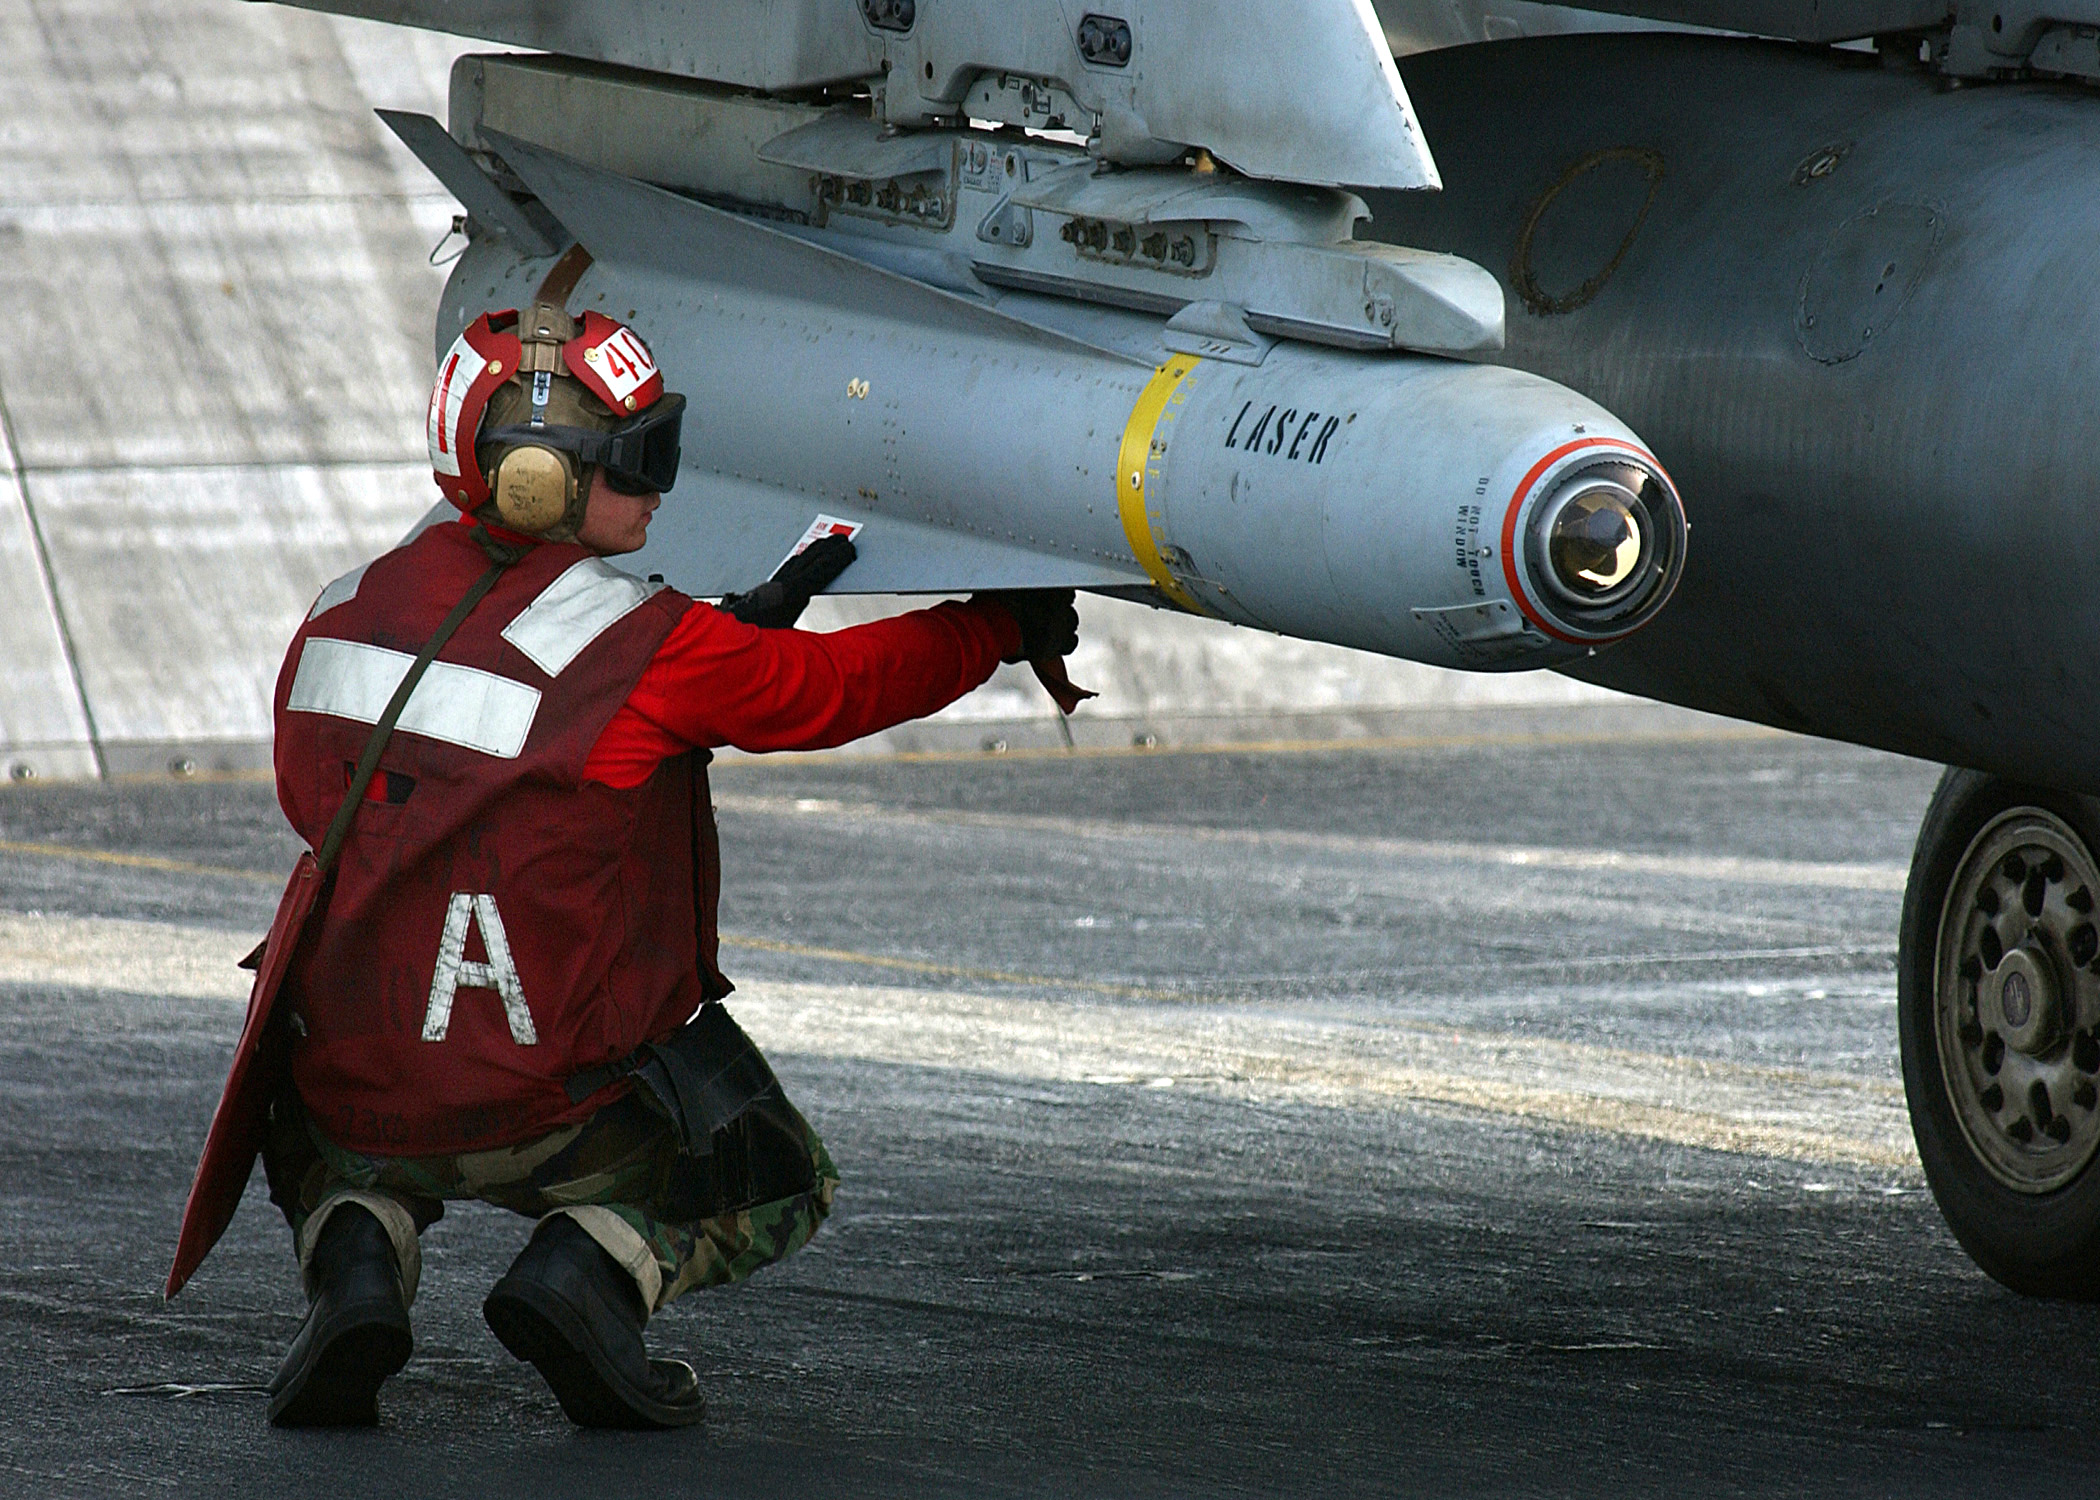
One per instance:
(1137, 479)
(630, 403)
(495, 367)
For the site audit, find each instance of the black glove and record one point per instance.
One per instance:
(778, 603)
(1049, 624)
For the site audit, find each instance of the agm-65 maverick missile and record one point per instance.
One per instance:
(999, 364)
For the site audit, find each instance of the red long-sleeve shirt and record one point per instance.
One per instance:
(717, 681)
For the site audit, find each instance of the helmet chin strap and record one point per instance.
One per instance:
(498, 551)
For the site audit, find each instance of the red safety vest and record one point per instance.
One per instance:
(497, 924)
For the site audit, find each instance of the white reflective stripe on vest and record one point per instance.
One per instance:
(462, 706)
(341, 591)
(574, 610)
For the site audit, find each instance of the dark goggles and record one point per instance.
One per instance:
(638, 457)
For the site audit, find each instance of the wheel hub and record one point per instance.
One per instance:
(2028, 1000)
(2017, 1000)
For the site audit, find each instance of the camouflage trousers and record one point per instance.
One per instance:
(620, 1175)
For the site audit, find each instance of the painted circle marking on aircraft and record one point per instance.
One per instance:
(1597, 197)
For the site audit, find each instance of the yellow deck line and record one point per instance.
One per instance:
(137, 861)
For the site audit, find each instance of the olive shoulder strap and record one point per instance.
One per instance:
(368, 763)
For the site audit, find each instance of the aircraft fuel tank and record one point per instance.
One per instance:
(1449, 512)
(1858, 314)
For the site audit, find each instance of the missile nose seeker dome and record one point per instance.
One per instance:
(1594, 541)
(1607, 543)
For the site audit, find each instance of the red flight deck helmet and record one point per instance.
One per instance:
(522, 408)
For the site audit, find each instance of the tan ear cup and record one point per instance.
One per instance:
(534, 488)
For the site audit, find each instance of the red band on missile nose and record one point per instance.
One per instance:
(1516, 503)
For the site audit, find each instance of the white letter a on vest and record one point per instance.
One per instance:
(454, 969)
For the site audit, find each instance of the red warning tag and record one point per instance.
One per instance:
(820, 528)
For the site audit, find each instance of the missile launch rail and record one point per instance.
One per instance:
(1236, 262)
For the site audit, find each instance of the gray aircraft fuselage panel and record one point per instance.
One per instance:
(1859, 317)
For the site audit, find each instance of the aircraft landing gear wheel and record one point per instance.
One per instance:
(1998, 988)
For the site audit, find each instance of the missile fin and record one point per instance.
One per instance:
(529, 226)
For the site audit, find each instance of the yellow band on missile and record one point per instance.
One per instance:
(1134, 477)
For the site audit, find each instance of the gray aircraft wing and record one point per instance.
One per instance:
(1315, 97)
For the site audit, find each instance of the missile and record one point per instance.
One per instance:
(1033, 418)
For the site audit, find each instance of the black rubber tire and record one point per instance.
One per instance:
(2042, 1245)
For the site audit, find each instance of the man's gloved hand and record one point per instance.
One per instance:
(1049, 622)
(778, 603)
(1049, 633)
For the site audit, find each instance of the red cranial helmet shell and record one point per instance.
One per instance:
(485, 354)
(611, 359)
(607, 357)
